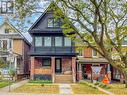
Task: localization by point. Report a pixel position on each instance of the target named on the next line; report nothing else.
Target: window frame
(44, 65)
(57, 40)
(65, 42)
(44, 41)
(93, 54)
(54, 21)
(40, 42)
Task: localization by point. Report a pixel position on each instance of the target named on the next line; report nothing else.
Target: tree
(99, 24)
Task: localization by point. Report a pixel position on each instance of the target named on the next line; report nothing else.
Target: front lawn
(118, 89)
(38, 88)
(4, 83)
(85, 89)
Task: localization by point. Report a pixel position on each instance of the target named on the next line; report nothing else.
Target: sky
(26, 25)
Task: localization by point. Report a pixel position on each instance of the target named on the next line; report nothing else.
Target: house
(52, 54)
(14, 48)
(88, 58)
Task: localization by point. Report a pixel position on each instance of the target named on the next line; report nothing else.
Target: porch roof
(92, 60)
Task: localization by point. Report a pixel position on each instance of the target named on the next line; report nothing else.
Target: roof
(92, 60)
(9, 23)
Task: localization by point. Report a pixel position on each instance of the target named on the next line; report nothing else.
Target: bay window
(38, 41)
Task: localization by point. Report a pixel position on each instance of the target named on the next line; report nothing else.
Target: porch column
(32, 68)
(53, 68)
(80, 72)
(74, 69)
(109, 72)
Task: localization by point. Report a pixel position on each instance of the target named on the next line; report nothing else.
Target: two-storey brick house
(14, 48)
(52, 54)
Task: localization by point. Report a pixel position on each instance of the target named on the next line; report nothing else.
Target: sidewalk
(13, 86)
(65, 89)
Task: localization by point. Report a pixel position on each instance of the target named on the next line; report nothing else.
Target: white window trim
(81, 56)
(93, 54)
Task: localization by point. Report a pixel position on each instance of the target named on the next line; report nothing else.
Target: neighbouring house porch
(59, 69)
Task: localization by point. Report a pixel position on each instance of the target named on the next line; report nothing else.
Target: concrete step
(63, 79)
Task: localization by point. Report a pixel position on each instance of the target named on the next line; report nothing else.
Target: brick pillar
(74, 69)
(32, 68)
(79, 72)
(53, 68)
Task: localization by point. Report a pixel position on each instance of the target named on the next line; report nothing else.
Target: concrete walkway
(65, 89)
(13, 86)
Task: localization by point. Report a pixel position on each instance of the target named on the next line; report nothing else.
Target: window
(46, 62)
(80, 53)
(38, 41)
(52, 22)
(10, 43)
(6, 30)
(94, 53)
(58, 41)
(4, 44)
(0, 44)
(47, 41)
(7, 7)
(125, 41)
(67, 42)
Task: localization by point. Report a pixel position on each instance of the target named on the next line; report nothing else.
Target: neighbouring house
(14, 48)
(52, 54)
(88, 58)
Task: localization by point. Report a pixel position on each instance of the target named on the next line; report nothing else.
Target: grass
(4, 83)
(38, 88)
(118, 89)
(84, 88)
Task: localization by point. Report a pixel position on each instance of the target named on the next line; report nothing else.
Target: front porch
(56, 69)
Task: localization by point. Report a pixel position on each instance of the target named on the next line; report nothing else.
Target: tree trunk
(126, 81)
(125, 75)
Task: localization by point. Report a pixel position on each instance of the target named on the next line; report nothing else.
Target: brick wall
(66, 64)
(87, 52)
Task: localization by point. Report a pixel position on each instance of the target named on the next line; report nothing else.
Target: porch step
(63, 79)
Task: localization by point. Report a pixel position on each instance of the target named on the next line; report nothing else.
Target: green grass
(85, 88)
(4, 83)
(118, 89)
(46, 88)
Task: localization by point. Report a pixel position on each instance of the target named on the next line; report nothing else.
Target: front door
(58, 65)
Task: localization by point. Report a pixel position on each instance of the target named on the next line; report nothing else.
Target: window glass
(50, 22)
(46, 62)
(80, 53)
(94, 53)
(0, 44)
(6, 30)
(56, 23)
(58, 41)
(67, 42)
(47, 41)
(38, 41)
(10, 43)
(125, 41)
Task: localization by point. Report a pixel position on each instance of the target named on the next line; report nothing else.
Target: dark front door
(58, 65)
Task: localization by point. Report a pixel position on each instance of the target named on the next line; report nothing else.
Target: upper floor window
(52, 22)
(0, 44)
(47, 41)
(67, 42)
(38, 41)
(58, 41)
(124, 41)
(94, 53)
(6, 30)
(80, 53)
